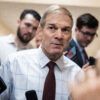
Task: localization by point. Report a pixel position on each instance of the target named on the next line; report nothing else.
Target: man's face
(85, 36)
(27, 28)
(38, 39)
(56, 34)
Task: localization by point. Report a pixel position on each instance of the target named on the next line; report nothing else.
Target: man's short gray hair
(52, 10)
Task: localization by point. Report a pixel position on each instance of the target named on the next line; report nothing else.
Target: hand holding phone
(92, 60)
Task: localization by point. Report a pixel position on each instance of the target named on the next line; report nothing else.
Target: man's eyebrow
(52, 24)
(69, 27)
(28, 24)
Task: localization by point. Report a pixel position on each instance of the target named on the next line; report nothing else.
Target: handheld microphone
(31, 95)
(2, 85)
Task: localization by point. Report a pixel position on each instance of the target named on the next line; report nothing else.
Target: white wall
(4, 30)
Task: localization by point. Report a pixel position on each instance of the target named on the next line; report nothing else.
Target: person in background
(44, 70)
(38, 39)
(27, 27)
(85, 32)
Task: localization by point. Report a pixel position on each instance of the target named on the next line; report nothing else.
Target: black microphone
(2, 85)
(31, 95)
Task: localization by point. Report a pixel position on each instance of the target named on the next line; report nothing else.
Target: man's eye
(35, 28)
(65, 30)
(28, 25)
(51, 27)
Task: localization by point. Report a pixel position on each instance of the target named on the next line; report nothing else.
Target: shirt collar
(80, 48)
(11, 39)
(61, 62)
(44, 60)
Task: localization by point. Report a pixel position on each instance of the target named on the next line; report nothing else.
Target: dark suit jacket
(77, 58)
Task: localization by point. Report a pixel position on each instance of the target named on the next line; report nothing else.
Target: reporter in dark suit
(85, 31)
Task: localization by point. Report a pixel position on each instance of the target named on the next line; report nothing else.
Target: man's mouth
(27, 35)
(57, 44)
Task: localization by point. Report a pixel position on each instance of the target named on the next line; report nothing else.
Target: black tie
(50, 83)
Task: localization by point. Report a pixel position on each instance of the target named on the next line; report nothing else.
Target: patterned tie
(85, 55)
(50, 83)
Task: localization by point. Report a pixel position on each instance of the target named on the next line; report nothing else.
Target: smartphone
(92, 60)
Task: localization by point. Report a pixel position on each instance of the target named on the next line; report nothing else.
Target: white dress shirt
(27, 70)
(8, 46)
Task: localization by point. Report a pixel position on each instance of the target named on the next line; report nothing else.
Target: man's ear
(39, 29)
(18, 22)
(71, 35)
(76, 29)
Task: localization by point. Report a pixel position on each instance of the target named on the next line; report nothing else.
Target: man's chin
(86, 45)
(26, 40)
(57, 53)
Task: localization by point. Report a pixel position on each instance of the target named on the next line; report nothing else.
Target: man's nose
(59, 34)
(30, 30)
(89, 38)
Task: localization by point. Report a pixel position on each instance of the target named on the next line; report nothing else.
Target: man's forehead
(57, 15)
(58, 19)
(29, 16)
(58, 25)
(87, 28)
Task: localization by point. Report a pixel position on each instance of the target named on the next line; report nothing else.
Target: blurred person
(27, 27)
(85, 32)
(38, 39)
(45, 69)
(89, 88)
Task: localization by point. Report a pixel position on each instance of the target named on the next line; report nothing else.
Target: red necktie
(50, 83)
(85, 55)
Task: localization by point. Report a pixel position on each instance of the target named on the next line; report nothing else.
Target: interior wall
(86, 3)
(4, 30)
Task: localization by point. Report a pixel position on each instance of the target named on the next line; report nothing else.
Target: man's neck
(52, 57)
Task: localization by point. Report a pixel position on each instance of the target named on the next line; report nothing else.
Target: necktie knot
(51, 65)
